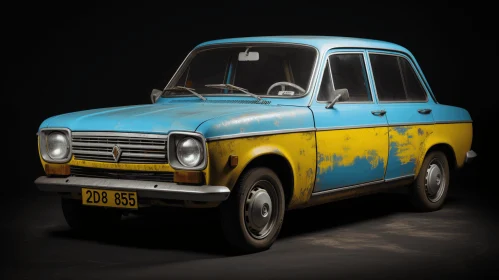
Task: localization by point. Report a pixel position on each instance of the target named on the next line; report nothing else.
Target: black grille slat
(136, 148)
(79, 171)
(122, 160)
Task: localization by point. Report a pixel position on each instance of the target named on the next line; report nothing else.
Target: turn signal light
(188, 177)
(233, 160)
(57, 169)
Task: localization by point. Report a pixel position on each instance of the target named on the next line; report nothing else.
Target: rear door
(401, 93)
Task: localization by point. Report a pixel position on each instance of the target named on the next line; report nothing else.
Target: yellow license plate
(108, 198)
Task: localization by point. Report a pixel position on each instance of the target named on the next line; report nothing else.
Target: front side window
(396, 79)
(345, 71)
(253, 68)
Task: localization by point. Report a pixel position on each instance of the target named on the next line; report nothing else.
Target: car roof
(319, 42)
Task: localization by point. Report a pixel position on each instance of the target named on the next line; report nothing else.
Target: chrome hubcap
(259, 214)
(435, 181)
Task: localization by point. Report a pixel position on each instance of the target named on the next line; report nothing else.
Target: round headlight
(189, 152)
(57, 145)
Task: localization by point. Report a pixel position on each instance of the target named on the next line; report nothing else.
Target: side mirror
(339, 93)
(155, 94)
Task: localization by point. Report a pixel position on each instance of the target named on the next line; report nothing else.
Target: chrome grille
(79, 171)
(135, 147)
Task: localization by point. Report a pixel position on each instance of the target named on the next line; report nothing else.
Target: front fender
(298, 148)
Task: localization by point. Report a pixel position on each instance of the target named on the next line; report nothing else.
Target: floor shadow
(198, 230)
(342, 213)
(349, 211)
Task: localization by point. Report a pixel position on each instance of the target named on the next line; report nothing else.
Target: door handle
(424, 111)
(378, 113)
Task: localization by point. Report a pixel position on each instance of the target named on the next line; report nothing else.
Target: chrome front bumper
(470, 155)
(144, 189)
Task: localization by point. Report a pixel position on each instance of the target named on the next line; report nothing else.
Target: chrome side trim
(347, 188)
(283, 131)
(350, 127)
(389, 125)
(377, 182)
(400, 178)
(144, 189)
(259, 133)
(369, 126)
(451, 122)
(410, 123)
(470, 155)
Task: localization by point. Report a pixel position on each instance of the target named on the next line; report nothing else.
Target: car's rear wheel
(252, 216)
(429, 190)
(88, 218)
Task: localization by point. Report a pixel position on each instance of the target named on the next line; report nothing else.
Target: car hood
(152, 118)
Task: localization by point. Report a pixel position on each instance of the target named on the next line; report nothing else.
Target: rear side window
(396, 79)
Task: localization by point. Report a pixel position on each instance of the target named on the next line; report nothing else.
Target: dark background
(61, 58)
(66, 58)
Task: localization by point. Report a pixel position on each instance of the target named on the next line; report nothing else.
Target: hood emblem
(116, 153)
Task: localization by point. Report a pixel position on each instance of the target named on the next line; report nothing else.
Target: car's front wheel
(252, 216)
(429, 190)
(88, 218)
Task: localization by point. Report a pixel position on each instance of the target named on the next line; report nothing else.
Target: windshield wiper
(230, 86)
(179, 88)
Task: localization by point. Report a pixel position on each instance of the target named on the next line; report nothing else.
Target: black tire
(421, 196)
(89, 218)
(234, 220)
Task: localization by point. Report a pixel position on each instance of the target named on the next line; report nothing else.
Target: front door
(408, 110)
(352, 137)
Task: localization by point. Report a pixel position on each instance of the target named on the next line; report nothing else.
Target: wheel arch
(447, 150)
(278, 164)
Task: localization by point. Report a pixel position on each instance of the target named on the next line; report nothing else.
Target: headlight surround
(187, 151)
(55, 145)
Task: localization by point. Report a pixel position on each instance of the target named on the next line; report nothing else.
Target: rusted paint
(298, 148)
(410, 144)
(407, 149)
(348, 157)
(457, 135)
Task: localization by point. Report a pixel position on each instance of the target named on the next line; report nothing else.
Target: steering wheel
(283, 84)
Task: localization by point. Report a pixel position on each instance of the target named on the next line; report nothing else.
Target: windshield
(261, 70)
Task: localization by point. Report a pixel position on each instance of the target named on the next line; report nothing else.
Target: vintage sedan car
(257, 126)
